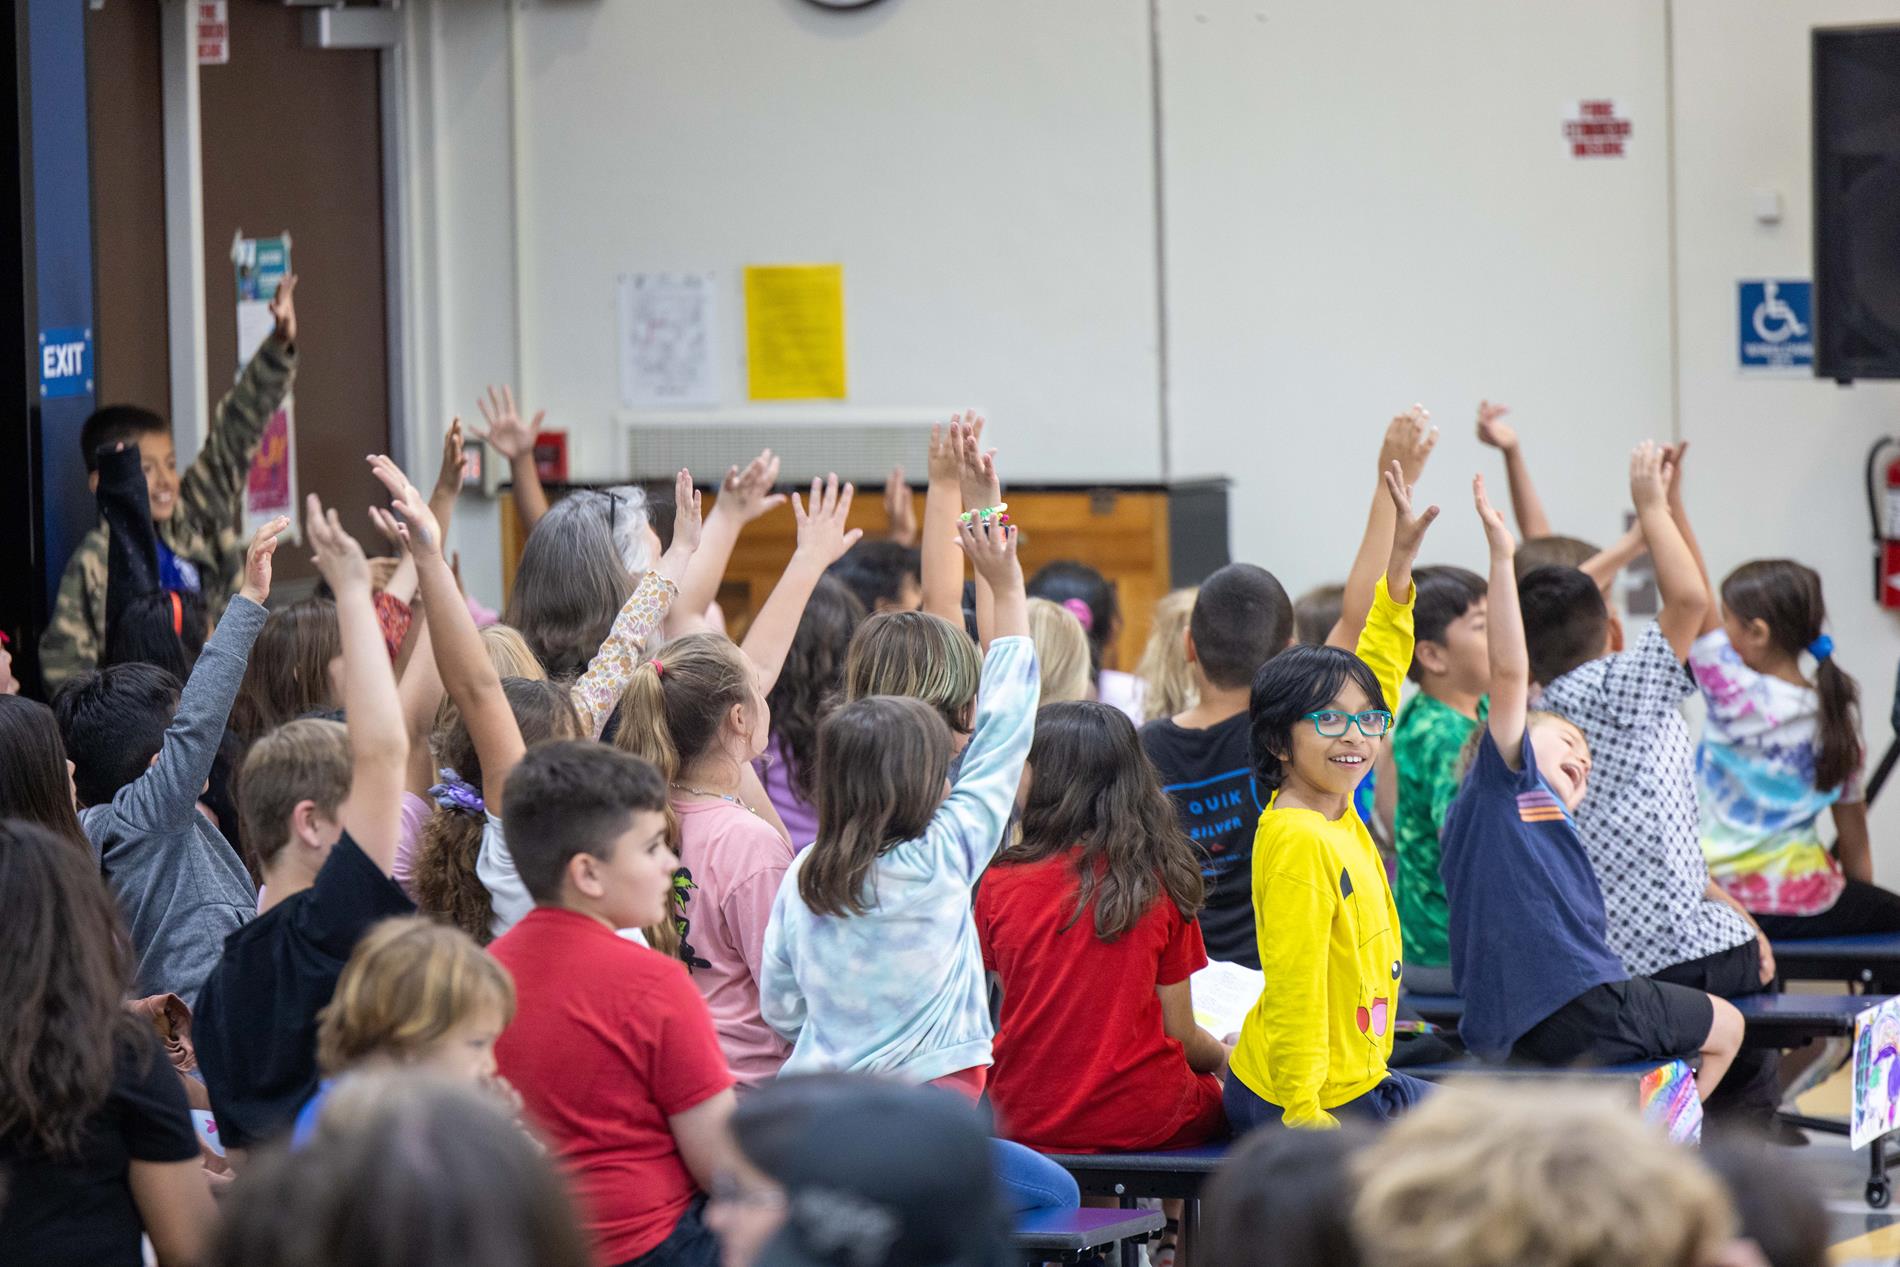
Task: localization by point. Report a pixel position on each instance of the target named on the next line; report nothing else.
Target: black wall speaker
(1857, 202)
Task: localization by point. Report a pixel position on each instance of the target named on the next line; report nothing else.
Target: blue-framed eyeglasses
(1331, 723)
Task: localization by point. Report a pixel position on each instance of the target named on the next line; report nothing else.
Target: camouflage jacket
(206, 528)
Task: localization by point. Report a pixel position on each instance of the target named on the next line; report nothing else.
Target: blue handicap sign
(1777, 325)
(65, 362)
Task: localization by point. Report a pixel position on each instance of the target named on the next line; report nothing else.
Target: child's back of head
(1442, 597)
(1552, 552)
(1777, 1204)
(304, 760)
(677, 703)
(918, 655)
(1062, 651)
(1242, 619)
(569, 797)
(416, 992)
(1092, 787)
(1090, 598)
(1284, 1199)
(882, 762)
(1776, 608)
(35, 784)
(885, 576)
(812, 676)
(113, 722)
(289, 672)
(166, 628)
(1316, 612)
(1167, 682)
(509, 652)
(574, 576)
(1566, 622)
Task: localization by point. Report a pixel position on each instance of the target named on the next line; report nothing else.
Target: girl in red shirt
(1089, 923)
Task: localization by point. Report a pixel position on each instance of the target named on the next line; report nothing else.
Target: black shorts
(1619, 1023)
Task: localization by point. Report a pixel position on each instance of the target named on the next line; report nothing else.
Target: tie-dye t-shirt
(1755, 782)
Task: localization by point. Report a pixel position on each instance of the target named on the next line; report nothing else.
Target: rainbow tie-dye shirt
(1755, 782)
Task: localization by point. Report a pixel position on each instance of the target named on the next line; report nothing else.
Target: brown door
(293, 142)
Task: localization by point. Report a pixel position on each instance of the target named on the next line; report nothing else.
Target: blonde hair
(1494, 1175)
(303, 760)
(509, 652)
(1164, 665)
(1062, 651)
(408, 982)
(917, 655)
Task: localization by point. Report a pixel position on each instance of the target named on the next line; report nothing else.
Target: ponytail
(1838, 752)
(643, 729)
(1786, 596)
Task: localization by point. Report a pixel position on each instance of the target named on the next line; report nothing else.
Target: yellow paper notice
(794, 331)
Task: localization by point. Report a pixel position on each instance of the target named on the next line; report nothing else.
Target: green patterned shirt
(1425, 748)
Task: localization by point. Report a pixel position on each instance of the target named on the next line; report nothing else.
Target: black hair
(875, 570)
(113, 721)
(568, 797)
(1288, 687)
(1242, 619)
(813, 674)
(1442, 595)
(1064, 580)
(111, 425)
(1565, 620)
(165, 628)
(1285, 1197)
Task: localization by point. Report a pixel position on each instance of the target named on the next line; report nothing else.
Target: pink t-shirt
(736, 860)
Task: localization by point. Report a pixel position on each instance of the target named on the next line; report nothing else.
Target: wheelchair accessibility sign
(1777, 325)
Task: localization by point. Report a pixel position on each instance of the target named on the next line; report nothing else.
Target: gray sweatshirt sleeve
(164, 798)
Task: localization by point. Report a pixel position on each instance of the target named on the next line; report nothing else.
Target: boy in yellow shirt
(1316, 1043)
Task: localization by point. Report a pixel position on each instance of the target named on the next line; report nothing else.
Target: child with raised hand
(36, 778)
(1529, 952)
(322, 809)
(745, 494)
(1778, 747)
(1316, 1045)
(414, 993)
(1088, 922)
(812, 676)
(1638, 819)
(142, 750)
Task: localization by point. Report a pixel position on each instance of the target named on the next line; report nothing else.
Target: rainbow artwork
(1667, 1097)
(1876, 1073)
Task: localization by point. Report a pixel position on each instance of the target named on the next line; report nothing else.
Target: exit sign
(65, 362)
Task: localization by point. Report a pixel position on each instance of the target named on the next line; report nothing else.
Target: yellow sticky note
(794, 331)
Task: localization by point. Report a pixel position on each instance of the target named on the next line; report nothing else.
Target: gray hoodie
(181, 886)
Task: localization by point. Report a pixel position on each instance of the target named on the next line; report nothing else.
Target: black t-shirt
(256, 1024)
(1209, 774)
(79, 1210)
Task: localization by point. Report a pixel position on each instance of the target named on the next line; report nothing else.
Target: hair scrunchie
(1080, 610)
(1821, 648)
(457, 795)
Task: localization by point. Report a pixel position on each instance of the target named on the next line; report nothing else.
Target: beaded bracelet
(987, 512)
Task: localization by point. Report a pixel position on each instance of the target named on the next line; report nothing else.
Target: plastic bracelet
(985, 513)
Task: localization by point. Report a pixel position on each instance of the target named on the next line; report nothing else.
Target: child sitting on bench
(1528, 946)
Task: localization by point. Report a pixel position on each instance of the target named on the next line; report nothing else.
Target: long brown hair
(446, 884)
(1095, 791)
(918, 655)
(676, 703)
(64, 970)
(34, 784)
(881, 768)
(1787, 596)
(289, 673)
(813, 674)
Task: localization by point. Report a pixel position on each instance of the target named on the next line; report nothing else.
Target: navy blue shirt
(1208, 772)
(1527, 925)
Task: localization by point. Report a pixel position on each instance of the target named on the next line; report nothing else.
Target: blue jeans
(1388, 1100)
(1031, 1181)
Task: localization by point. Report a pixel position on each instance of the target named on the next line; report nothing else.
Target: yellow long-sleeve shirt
(1321, 1032)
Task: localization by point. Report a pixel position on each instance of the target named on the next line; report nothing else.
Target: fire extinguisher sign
(1776, 326)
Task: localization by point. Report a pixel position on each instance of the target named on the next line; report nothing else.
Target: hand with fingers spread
(688, 521)
(1408, 532)
(991, 547)
(416, 523)
(257, 560)
(946, 463)
(505, 432)
(391, 528)
(448, 480)
(900, 510)
(1650, 473)
(747, 494)
(335, 552)
(283, 310)
(1493, 431)
(822, 536)
(1497, 533)
(976, 467)
(1409, 440)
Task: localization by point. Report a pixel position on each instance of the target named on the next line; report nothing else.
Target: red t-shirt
(609, 1040)
(1082, 1061)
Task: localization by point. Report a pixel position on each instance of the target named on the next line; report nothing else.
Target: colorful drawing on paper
(1668, 1099)
(271, 487)
(794, 332)
(1876, 1073)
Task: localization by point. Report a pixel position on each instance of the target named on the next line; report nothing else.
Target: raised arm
(1678, 511)
(1604, 566)
(1386, 639)
(379, 741)
(131, 540)
(982, 491)
(448, 479)
(1525, 504)
(209, 491)
(822, 541)
(744, 495)
(513, 439)
(598, 690)
(1409, 440)
(467, 673)
(1685, 594)
(941, 564)
(1504, 628)
(900, 509)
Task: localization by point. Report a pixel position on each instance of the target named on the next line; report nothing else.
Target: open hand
(1672, 462)
(1409, 532)
(1496, 532)
(257, 560)
(821, 530)
(391, 528)
(976, 467)
(991, 545)
(900, 511)
(748, 493)
(283, 308)
(415, 522)
(1493, 430)
(337, 555)
(505, 432)
(687, 522)
(1650, 473)
(1409, 440)
(449, 479)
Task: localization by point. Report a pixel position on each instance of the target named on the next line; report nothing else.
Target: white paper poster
(1223, 995)
(666, 339)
